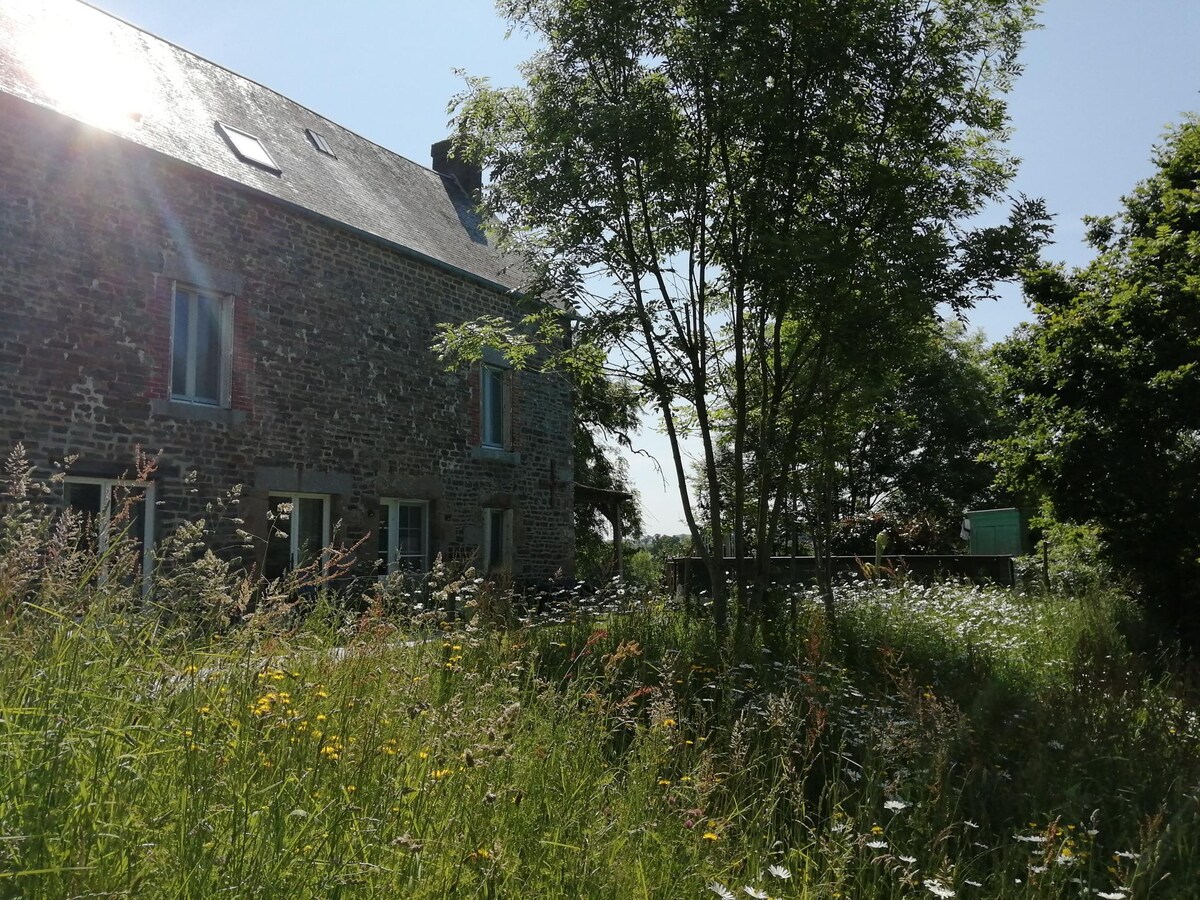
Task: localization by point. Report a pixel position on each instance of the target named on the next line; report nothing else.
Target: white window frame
(275, 498)
(104, 523)
(249, 148)
(487, 398)
(391, 508)
(490, 514)
(187, 393)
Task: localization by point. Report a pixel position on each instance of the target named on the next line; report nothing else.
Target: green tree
(1106, 384)
(906, 448)
(606, 412)
(702, 177)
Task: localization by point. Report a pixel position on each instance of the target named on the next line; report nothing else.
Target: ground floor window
(497, 539)
(403, 532)
(300, 532)
(113, 512)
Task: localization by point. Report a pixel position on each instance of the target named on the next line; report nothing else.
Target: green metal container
(1000, 532)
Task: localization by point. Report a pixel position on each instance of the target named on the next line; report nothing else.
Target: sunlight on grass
(949, 741)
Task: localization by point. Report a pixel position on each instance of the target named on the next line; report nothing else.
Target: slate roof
(84, 63)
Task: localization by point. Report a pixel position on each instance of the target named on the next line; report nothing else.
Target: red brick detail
(158, 338)
(241, 390)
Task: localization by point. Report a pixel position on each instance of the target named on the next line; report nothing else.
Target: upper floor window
(200, 347)
(248, 148)
(320, 142)
(403, 533)
(494, 407)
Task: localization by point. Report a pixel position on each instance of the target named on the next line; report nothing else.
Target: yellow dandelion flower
(711, 836)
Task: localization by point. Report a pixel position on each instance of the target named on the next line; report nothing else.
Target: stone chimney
(468, 176)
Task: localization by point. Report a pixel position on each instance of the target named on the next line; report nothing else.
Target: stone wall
(334, 386)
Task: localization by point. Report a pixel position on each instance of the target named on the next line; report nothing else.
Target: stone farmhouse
(193, 264)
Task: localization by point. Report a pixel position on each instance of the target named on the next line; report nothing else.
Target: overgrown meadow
(947, 741)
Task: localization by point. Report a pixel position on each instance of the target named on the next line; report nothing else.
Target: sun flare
(86, 75)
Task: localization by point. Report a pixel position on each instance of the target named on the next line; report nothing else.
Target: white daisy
(779, 872)
(896, 805)
(721, 891)
(755, 893)
(939, 889)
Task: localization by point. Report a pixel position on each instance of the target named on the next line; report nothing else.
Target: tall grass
(949, 741)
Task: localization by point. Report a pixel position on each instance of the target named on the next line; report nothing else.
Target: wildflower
(939, 889)
(1029, 838)
(908, 860)
(877, 845)
(779, 872)
(711, 836)
(875, 829)
(755, 893)
(896, 805)
(1110, 895)
(972, 883)
(721, 891)
(669, 723)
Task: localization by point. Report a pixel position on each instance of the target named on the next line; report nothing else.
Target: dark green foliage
(1106, 385)
(907, 448)
(751, 202)
(604, 410)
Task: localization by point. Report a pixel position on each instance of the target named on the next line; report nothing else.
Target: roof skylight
(248, 148)
(320, 142)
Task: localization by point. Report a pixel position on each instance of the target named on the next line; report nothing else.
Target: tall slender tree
(702, 178)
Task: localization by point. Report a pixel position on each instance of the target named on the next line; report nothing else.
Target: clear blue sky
(1102, 80)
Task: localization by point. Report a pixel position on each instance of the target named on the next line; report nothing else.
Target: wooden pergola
(609, 504)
